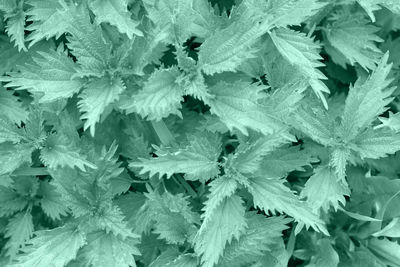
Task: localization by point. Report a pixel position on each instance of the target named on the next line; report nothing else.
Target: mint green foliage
(199, 133)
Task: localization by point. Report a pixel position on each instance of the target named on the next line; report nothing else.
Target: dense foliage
(184, 133)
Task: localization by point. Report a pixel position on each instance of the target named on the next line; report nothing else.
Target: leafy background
(199, 133)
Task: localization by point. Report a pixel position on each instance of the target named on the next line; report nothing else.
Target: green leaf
(9, 132)
(54, 247)
(367, 99)
(58, 151)
(228, 222)
(173, 217)
(197, 160)
(16, 28)
(354, 38)
(227, 48)
(11, 201)
(19, 230)
(50, 75)
(250, 154)
(160, 97)
(376, 144)
(237, 105)
(11, 108)
(48, 19)
(392, 121)
(116, 13)
(87, 43)
(97, 95)
(292, 12)
(324, 190)
(325, 255)
(270, 194)
(387, 251)
(220, 189)
(173, 19)
(13, 156)
(258, 238)
(106, 250)
(51, 201)
(302, 52)
(283, 160)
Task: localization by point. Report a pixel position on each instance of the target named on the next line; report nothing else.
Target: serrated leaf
(50, 75)
(97, 95)
(106, 250)
(11, 108)
(376, 144)
(367, 99)
(19, 230)
(227, 48)
(160, 97)
(227, 223)
(54, 247)
(260, 235)
(237, 105)
(87, 43)
(9, 132)
(16, 28)
(387, 251)
(198, 160)
(324, 190)
(283, 160)
(58, 151)
(355, 39)
(49, 19)
(51, 201)
(220, 189)
(293, 12)
(13, 156)
(270, 194)
(11, 201)
(116, 13)
(301, 51)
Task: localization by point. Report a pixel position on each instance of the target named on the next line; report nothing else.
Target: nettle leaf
(54, 247)
(237, 105)
(260, 236)
(87, 43)
(116, 13)
(197, 160)
(160, 97)
(16, 28)
(49, 19)
(367, 100)
(220, 189)
(174, 19)
(107, 250)
(50, 75)
(19, 230)
(59, 151)
(13, 156)
(376, 143)
(227, 48)
(11, 108)
(227, 223)
(51, 202)
(301, 51)
(355, 39)
(293, 12)
(97, 95)
(270, 194)
(323, 190)
(9, 132)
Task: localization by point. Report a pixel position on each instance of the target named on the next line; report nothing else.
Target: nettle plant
(184, 133)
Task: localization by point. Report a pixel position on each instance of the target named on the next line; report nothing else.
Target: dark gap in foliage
(169, 58)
